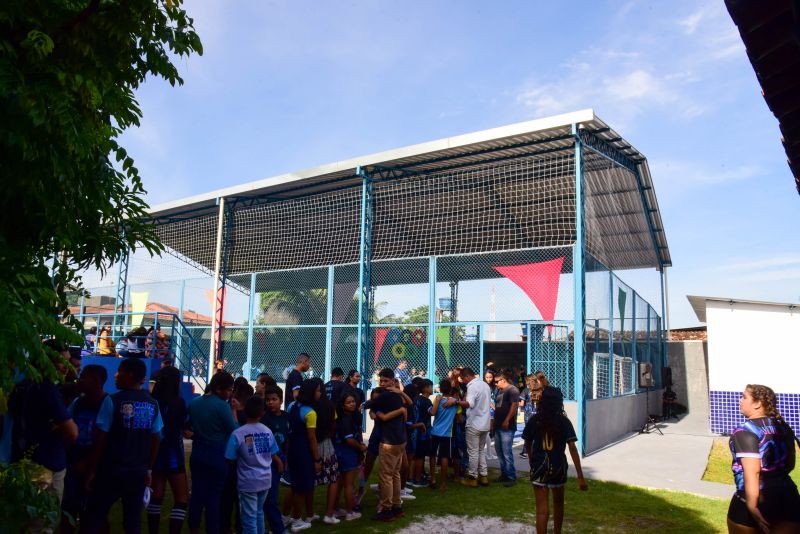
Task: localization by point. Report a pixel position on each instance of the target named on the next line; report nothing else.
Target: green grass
(719, 464)
(606, 507)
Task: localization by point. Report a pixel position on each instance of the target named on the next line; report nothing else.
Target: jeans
(389, 475)
(476, 450)
(272, 509)
(503, 441)
(251, 510)
(209, 473)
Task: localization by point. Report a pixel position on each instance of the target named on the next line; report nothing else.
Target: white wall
(753, 344)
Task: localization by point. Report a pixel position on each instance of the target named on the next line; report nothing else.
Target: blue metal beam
(610, 333)
(251, 319)
(122, 288)
(329, 323)
(432, 316)
(578, 259)
(364, 273)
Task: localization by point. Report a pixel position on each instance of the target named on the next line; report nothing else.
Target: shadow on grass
(606, 507)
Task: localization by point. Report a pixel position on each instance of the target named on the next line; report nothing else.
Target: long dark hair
(324, 409)
(549, 413)
(167, 387)
(307, 392)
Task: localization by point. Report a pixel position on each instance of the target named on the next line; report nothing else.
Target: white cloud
(692, 22)
(779, 261)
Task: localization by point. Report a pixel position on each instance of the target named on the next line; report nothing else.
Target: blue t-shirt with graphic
(252, 446)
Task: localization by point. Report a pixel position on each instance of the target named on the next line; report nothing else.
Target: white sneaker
(287, 520)
(406, 497)
(406, 491)
(312, 518)
(340, 512)
(352, 515)
(373, 487)
(299, 525)
(330, 520)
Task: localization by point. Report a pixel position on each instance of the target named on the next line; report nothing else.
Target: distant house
(105, 307)
(750, 342)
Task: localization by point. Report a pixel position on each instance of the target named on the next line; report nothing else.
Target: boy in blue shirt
(278, 422)
(444, 409)
(253, 447)
(125, 448)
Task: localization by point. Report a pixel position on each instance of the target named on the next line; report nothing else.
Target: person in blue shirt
(278, 422)
(253, 448)
(444, 412)
(211, 421)
(126, 443)
(84, 411)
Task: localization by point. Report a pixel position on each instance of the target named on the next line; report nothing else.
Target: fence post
(432, 317)
(480, 347)
(611, 333)
(248, 364)
(578, 259)
(364, 273)
(633, 344)
(329, 324)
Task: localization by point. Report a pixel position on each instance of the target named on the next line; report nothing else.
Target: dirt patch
(454, 524)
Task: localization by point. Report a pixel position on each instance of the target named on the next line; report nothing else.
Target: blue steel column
(248, 364)
(528, 345)
(364, 273)
(611, 333)
(432, 316)
(633, 343)
(580, 288)
(329, 324)
(122, 288)
(480, 348)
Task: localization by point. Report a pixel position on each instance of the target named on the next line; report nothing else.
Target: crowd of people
(259, 454)
(139, 342)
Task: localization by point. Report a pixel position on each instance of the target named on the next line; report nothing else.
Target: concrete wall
(608, 420)
(689, 363)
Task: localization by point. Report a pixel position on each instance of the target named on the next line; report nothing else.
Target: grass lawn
(606, 507)
(719, 464)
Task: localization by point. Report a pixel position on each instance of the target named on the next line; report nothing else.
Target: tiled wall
(725, 413)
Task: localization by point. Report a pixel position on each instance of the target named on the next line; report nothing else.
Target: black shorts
(777, 505)
(75, 495)
(423, 446)
(441, 447)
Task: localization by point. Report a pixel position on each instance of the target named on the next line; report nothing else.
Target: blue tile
(724, 409)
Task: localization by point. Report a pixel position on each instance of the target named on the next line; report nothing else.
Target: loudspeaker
(666, 377)
(646, 375)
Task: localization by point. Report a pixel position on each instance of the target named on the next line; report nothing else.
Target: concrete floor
(674, 461)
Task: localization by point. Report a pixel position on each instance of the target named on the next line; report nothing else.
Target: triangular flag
(380, 337)
(138, 307)
(443, 338)
(540, 282)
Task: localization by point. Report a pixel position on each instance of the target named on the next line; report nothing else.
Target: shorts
(411, 441)
(170, 460)
(441, 447)
(422, 447)
(777, 504)
(349, 458)
(549, 474)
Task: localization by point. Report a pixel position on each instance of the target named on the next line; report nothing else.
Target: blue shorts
(348, 458)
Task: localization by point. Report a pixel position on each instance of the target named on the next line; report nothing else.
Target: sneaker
(312, 518)
(416, 484)
(299, 525)
(340, 512)
(501, 478)
(330, 520)
(357, 508)
(510, 483)
(406, 491)
(287, 520)
(483, 480)
(352, 515)
(383, 515)
(374, 487)
(470, 482)
(523, 454)
(406, 497)
(398, 512)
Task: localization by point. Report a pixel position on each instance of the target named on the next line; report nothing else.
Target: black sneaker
(523, 454)
(501, 478)
(510, 483)
(384, 515)
(398, 512)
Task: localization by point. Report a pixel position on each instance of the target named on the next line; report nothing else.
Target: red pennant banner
(540, 282)
(380, 338)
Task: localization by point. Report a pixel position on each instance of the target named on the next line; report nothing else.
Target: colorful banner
(138, 307)
(380, 338)
(443, 338)
(540, 282)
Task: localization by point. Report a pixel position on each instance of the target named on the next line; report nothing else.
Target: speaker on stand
(647, 382)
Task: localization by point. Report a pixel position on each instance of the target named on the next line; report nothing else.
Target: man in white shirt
(478, 423)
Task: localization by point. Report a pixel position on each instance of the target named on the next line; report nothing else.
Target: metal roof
(699, 304)
(506, 143)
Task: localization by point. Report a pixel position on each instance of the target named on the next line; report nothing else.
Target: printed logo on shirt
(137, 415)
(547, 443)
(257, 443)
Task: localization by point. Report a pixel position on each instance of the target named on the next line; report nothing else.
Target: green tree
(71, 197)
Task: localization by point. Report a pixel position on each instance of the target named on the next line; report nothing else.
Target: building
(750, 342)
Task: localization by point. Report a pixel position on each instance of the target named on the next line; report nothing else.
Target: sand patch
(454, 524)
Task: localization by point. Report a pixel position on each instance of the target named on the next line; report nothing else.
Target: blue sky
(284, 86)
